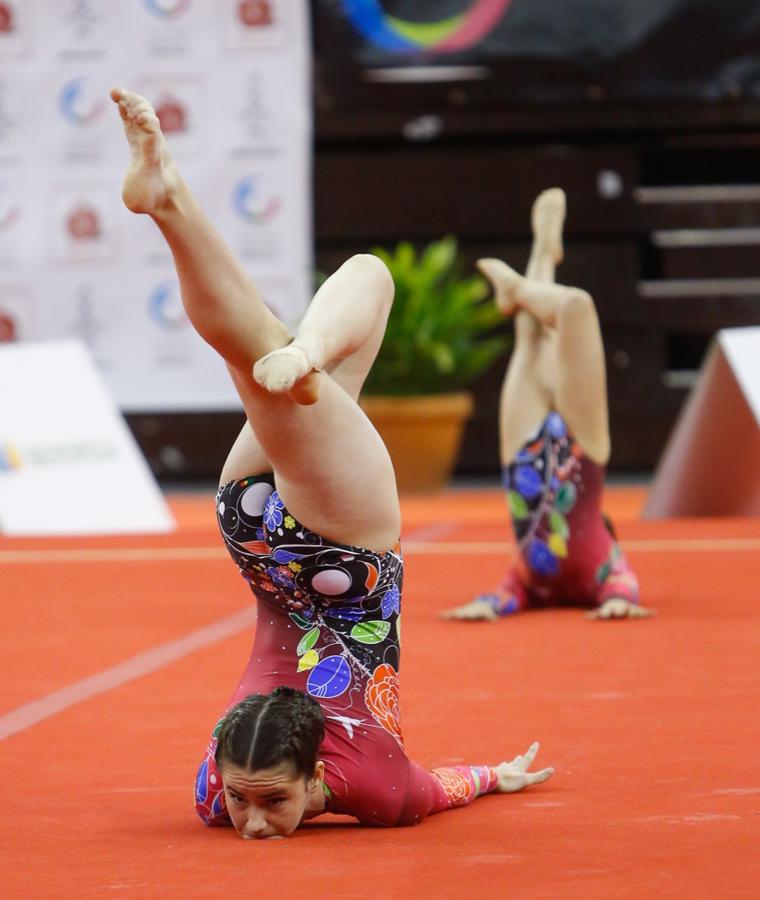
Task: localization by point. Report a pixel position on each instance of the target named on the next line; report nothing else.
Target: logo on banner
(82, 18)
(10, 458)
(255, 13)
(10, 213)
(83, 223)
(81, 226)
(7, 119)
(8, 329)
(54, 454)
(252, 114)
(165, 306)
(172, 115)
(79, 104)
(7, 22)
(449, 35)
(167, 9)
(251, 204)
(85, 322)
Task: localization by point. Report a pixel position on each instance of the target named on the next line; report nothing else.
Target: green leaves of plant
(440, 332)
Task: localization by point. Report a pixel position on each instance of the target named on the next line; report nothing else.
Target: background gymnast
(309, 512)
(554, 442)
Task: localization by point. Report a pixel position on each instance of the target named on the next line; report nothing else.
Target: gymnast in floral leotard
(309, 511)
(328, 626)
(554, 443)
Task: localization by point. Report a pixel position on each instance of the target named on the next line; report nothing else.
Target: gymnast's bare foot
(505, 282)
(151, 180)
(547, 219)
(293, 370)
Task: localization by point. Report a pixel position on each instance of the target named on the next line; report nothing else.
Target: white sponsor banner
(230, 80)
(68, 462)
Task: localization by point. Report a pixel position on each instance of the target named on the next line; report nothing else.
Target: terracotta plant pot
(422, 434)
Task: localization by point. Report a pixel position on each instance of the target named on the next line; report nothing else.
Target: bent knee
(372, 267)
(578, 306)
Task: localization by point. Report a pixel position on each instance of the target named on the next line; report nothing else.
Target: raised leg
(350, 373)
(217, 292)
(558, 360)
(331, 468)
(572, 364)
(547, 219)
(340, 333)
(526, 394)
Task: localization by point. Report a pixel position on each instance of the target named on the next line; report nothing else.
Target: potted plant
(440, 335)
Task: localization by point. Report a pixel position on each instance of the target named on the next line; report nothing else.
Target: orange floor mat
(652, 726)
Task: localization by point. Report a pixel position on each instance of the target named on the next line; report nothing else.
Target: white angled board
(68, 462)
(742, 349)
(711, 464)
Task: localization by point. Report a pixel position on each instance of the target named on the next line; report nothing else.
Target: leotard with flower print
(328, 624)
(566, 552)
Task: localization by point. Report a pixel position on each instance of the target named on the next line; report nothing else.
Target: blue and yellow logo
(251, 203)
(166, 9)
(10, 458)
(79, 102)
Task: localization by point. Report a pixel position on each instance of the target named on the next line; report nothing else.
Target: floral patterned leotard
(328, 624)
(567, 554)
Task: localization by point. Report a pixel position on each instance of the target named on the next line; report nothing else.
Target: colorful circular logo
(165, 306)
(6, 18)
(167, 9)
(79, 105)
(10, 213)
(172, 115)
(255, 13)
(449, 35)
(83, 223)
(250, 205)
(7, 328)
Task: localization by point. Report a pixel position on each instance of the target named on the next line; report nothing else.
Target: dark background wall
(663, 190)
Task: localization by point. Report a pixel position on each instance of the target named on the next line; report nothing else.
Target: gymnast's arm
(449, 787)
(209, 790)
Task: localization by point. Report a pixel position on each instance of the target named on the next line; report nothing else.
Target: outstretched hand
(618, 608)
(474, 611)
(514, 776)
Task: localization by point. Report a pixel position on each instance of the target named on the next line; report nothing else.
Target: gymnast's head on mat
(267, 757)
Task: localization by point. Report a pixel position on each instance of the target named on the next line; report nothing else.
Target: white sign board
(68, 463)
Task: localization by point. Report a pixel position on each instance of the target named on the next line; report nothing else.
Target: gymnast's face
(271, 803)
